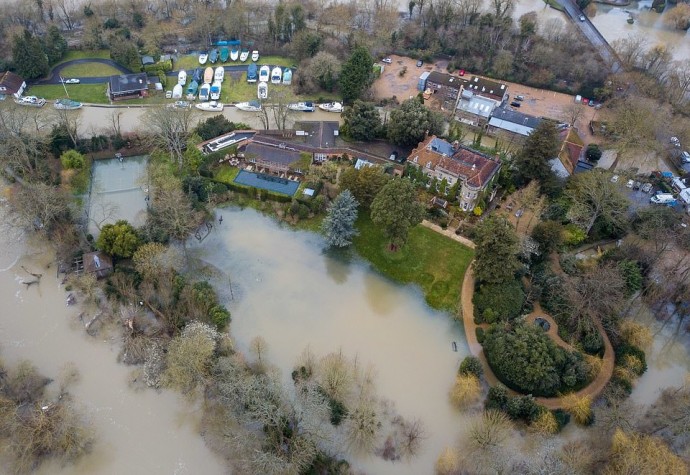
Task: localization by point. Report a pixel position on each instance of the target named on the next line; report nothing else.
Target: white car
(630, 183)
(614, 179)
(387, 60)
(72, 81)
(582, 18)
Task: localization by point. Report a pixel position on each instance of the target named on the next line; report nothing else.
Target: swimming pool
(267, 182)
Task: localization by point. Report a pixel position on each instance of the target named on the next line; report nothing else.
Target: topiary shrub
(471, 365)
(498, 302)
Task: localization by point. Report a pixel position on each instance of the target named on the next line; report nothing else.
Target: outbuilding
(128, 86)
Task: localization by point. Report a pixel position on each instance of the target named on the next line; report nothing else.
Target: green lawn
(89, 70)
(226, 173)
(434, 262)
(78, 54)
(94, 93)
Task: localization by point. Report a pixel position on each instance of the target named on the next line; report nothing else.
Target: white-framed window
(464, 206)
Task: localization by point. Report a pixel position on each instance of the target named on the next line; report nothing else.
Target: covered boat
(287, 77)
(213, 57)
(302, 106)
(234, 53)
(264, 72)
(208, 75)
(224, 53)
(215, 91)
(191, 90)
(204, 92)
(182, 78)
(251, 106)
(244, 55)
(212, 106)
(276, 75)
(67, 104)
(255, 56)
(332, 107)
(198, 74)
(177, 91)
(219, 74)
(262, 90)
(203, 57)
(251, 73)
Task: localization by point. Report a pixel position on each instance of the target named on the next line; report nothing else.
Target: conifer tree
(339, 224)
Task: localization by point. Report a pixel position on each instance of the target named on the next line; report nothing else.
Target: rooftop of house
(128, 83)
(147, 60)
(514, 121)
(318, 134)
(446, 80)
(474, 104)
(571, 148)
(474, 167)
(97, 262)
(10, 82)
(282, 155)
(488, 88)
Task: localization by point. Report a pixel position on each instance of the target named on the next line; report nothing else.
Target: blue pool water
(267, 182)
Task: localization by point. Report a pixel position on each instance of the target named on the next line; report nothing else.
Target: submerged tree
(339, 224)
(397, 210)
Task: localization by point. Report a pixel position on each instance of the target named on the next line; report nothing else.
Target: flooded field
(136, 432)
(119, 191)
(612, 24)
(292, 294)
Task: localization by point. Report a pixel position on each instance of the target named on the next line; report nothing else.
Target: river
(136, 431)
(290, 292)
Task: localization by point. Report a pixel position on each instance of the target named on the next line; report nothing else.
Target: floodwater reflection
(304, 298)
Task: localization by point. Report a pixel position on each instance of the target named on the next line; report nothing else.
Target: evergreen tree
(125, 53)
(28, 57)
(356, 75)
(364, 183)
(396, 210)
(496, 252)
(339, 224)
(361, 121)
(533, 160)
(55, 45)
(411, 121)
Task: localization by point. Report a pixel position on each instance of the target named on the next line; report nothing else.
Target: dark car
(420, 63)
(515, 104)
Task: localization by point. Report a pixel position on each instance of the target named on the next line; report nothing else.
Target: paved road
(592, 34)
(54, 77)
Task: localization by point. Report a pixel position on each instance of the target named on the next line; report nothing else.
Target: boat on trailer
(332, 107)
(302, 106)
(255, 56)
(213, 57)
(262, 90)
(182, 77)
(251, 106)
(212, 106)
(244, 55)
(215, 90)
(208, 75)
(276, 75)
(204, 92)
(203, 57)
(177, 91)
(192, 89)
(251, 72)
(219, 74)
(224, 53)
(67, 104)
(234, 53)
(264, 73)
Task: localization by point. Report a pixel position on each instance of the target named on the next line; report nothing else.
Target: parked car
(519, 98)
(420, 63)
(685, 157)
(393, 156)
(592, 104)
(72, 81)
(582, 18)
(387, 60)
(614, 179)
(168, 94)
(630, 183)
(675, 141)
(646, 188)
(515, 104)
(637, 185)
(519, 212)
(461, 72)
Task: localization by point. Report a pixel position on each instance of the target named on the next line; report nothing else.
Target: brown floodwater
(289, 291)
(137, 432)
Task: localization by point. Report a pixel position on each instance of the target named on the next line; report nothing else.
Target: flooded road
(96, 120)
(141, 432)
(293, 295)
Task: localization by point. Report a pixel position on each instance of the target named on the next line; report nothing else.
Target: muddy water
(293, 295)
(137, 432)
(612, 24)
(668, 362)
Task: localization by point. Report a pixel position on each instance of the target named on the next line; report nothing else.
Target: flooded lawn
(118, 191)
(292, 294)
(136, 432)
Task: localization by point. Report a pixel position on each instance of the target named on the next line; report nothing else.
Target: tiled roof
(445, 80)
(487, 88)
(11, 82)
(474, 167)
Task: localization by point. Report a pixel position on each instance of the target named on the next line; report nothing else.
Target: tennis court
(119, 191)
(267, 182)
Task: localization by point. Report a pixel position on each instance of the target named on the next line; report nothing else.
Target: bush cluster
(498, 302)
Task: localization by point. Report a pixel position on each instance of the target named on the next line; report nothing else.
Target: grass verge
(89, 70)
(434, 262)
(94, 93)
